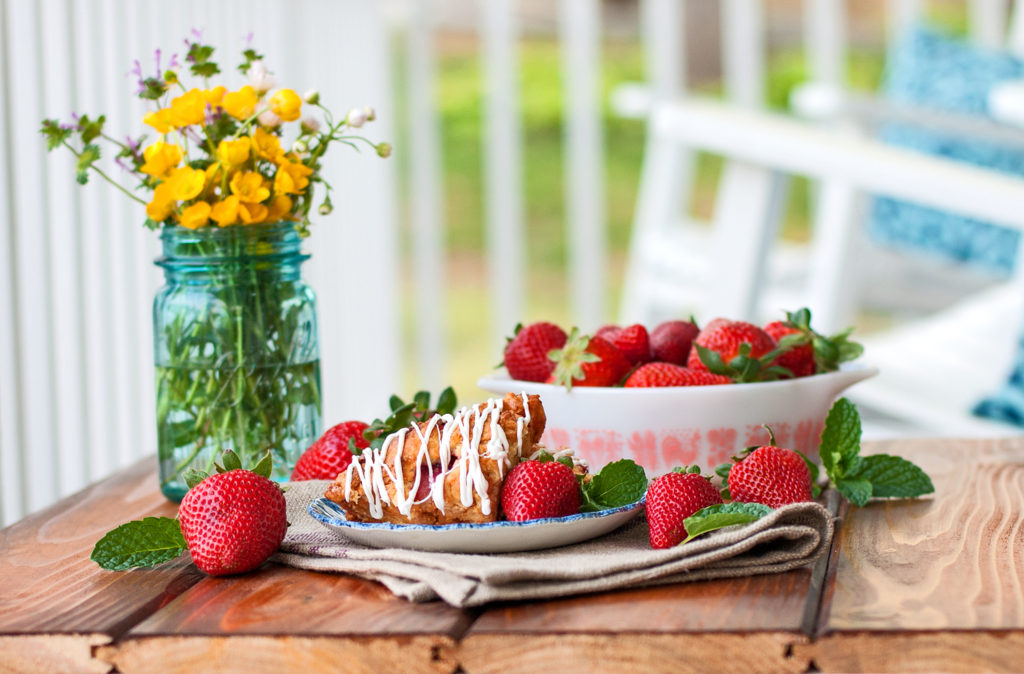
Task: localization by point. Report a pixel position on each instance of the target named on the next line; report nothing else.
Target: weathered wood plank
(936, 583)
(688, 627)
(288, 619)
(55, 603)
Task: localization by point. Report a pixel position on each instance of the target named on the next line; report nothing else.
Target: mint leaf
(857, 490)
(840, 441)
(617, 484)
(724, 515)
(145, 542)
(893, 477)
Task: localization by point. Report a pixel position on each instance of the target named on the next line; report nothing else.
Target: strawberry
(667, 374)
(588, 361)
(535, 490)
(736, 349)
(672, 498)
(233, 521)
(770, 475)
(330, 454)
(526, 354)
(608, 332)
(634, 343)
(799, 359)
(671, 340)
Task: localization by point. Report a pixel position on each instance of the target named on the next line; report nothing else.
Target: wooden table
(930, 585)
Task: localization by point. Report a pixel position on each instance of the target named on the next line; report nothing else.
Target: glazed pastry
(447, 469)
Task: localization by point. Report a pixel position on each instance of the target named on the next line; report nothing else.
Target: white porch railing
(76, 272)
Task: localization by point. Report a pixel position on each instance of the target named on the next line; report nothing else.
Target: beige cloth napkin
(789, 537)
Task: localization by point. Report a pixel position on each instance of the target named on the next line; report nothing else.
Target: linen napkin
(789, 537)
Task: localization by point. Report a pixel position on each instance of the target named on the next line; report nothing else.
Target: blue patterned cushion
(1007, 404)
(930, 70)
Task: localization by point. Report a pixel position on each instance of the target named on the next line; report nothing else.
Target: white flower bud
(300, 147)
(356, 118)
(268, 119)
(371, 114)
(312, 97)
(384, 149)
(261, 79)
(310, 124)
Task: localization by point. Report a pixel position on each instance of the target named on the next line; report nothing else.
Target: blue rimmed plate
(475, 538)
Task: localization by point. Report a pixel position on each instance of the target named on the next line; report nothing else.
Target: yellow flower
(249, 187)
(162, 205)
(189, 108)
(280, 207)
(214, 96)
(225, 212)
(187, 183)
(286, 104)
(160, 158)
(251, 214)
(267, 146)
(196, 215)
(240, 104)
(233, 152)
(159, 120)
(291, 178)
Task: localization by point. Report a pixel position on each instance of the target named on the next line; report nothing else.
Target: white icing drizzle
(470, 422)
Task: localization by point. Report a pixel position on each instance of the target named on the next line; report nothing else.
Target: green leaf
(91, 129)
(231, 461)
(153, 88)
(356, 451)
(893, 477)
(53, 133)
(617, 484)
(146, 542)
(394, 402)
(205, 69)
(857, 490)
(194, 476)
(422, 401)
(446, 402)
(265, 466)
(840, 441)
(723, 515)
(90, 154)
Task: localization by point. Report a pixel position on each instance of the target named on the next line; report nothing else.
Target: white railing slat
(987, 22)
(33, 291)
(901, 15)
(584, 175)
(425, 197)
(825, 40)
(664, 40)
(743, 45)
(502, 148)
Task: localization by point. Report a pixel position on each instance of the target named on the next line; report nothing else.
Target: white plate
(476, 538)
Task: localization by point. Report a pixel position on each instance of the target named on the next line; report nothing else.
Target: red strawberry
(608, 332)
(671, 340)
(671, 499)
(588, 361)
(634, 343)
(799, 359)
(233, 521)
(735, 348)
(330, 454)
(667, 374)
(535, 490)
(526, 354)
(770, 475)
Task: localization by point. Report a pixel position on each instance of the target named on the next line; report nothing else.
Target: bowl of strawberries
(681, 394)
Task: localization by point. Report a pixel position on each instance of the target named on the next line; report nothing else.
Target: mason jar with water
(237, 357)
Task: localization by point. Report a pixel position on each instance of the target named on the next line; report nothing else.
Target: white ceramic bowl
(661, 428)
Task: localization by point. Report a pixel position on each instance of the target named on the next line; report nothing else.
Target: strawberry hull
(661, 428)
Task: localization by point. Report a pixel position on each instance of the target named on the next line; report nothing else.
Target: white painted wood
(825, 40)
(1015, 34)
(747, 211)
(901, 16)
(664, 39)
(743, 51)
(502, 138)
(33, 291)
(12, 454)
(580, 24)
(64, 263)
(833, 273)
(987, 22)
(425, 196)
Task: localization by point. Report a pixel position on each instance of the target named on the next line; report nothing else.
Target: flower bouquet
(235, 334)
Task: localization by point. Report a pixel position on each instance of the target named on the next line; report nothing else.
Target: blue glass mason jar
(237, 356)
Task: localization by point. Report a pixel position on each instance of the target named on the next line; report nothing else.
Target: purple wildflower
(173, 65)
(248, 39)
(212, 114)
(122, 165)
(157, 54)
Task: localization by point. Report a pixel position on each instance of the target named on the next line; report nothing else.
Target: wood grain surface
(49, 586)
(935, 584)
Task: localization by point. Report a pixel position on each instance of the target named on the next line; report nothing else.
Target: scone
(447, 469)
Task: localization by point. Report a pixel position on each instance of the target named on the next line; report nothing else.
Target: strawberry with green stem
(807, 350)
(737, 349)
(587, 361)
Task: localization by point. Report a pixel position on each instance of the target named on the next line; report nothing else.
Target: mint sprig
(722, 515)
(861, 478)
(617, 484)
(146, 542)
